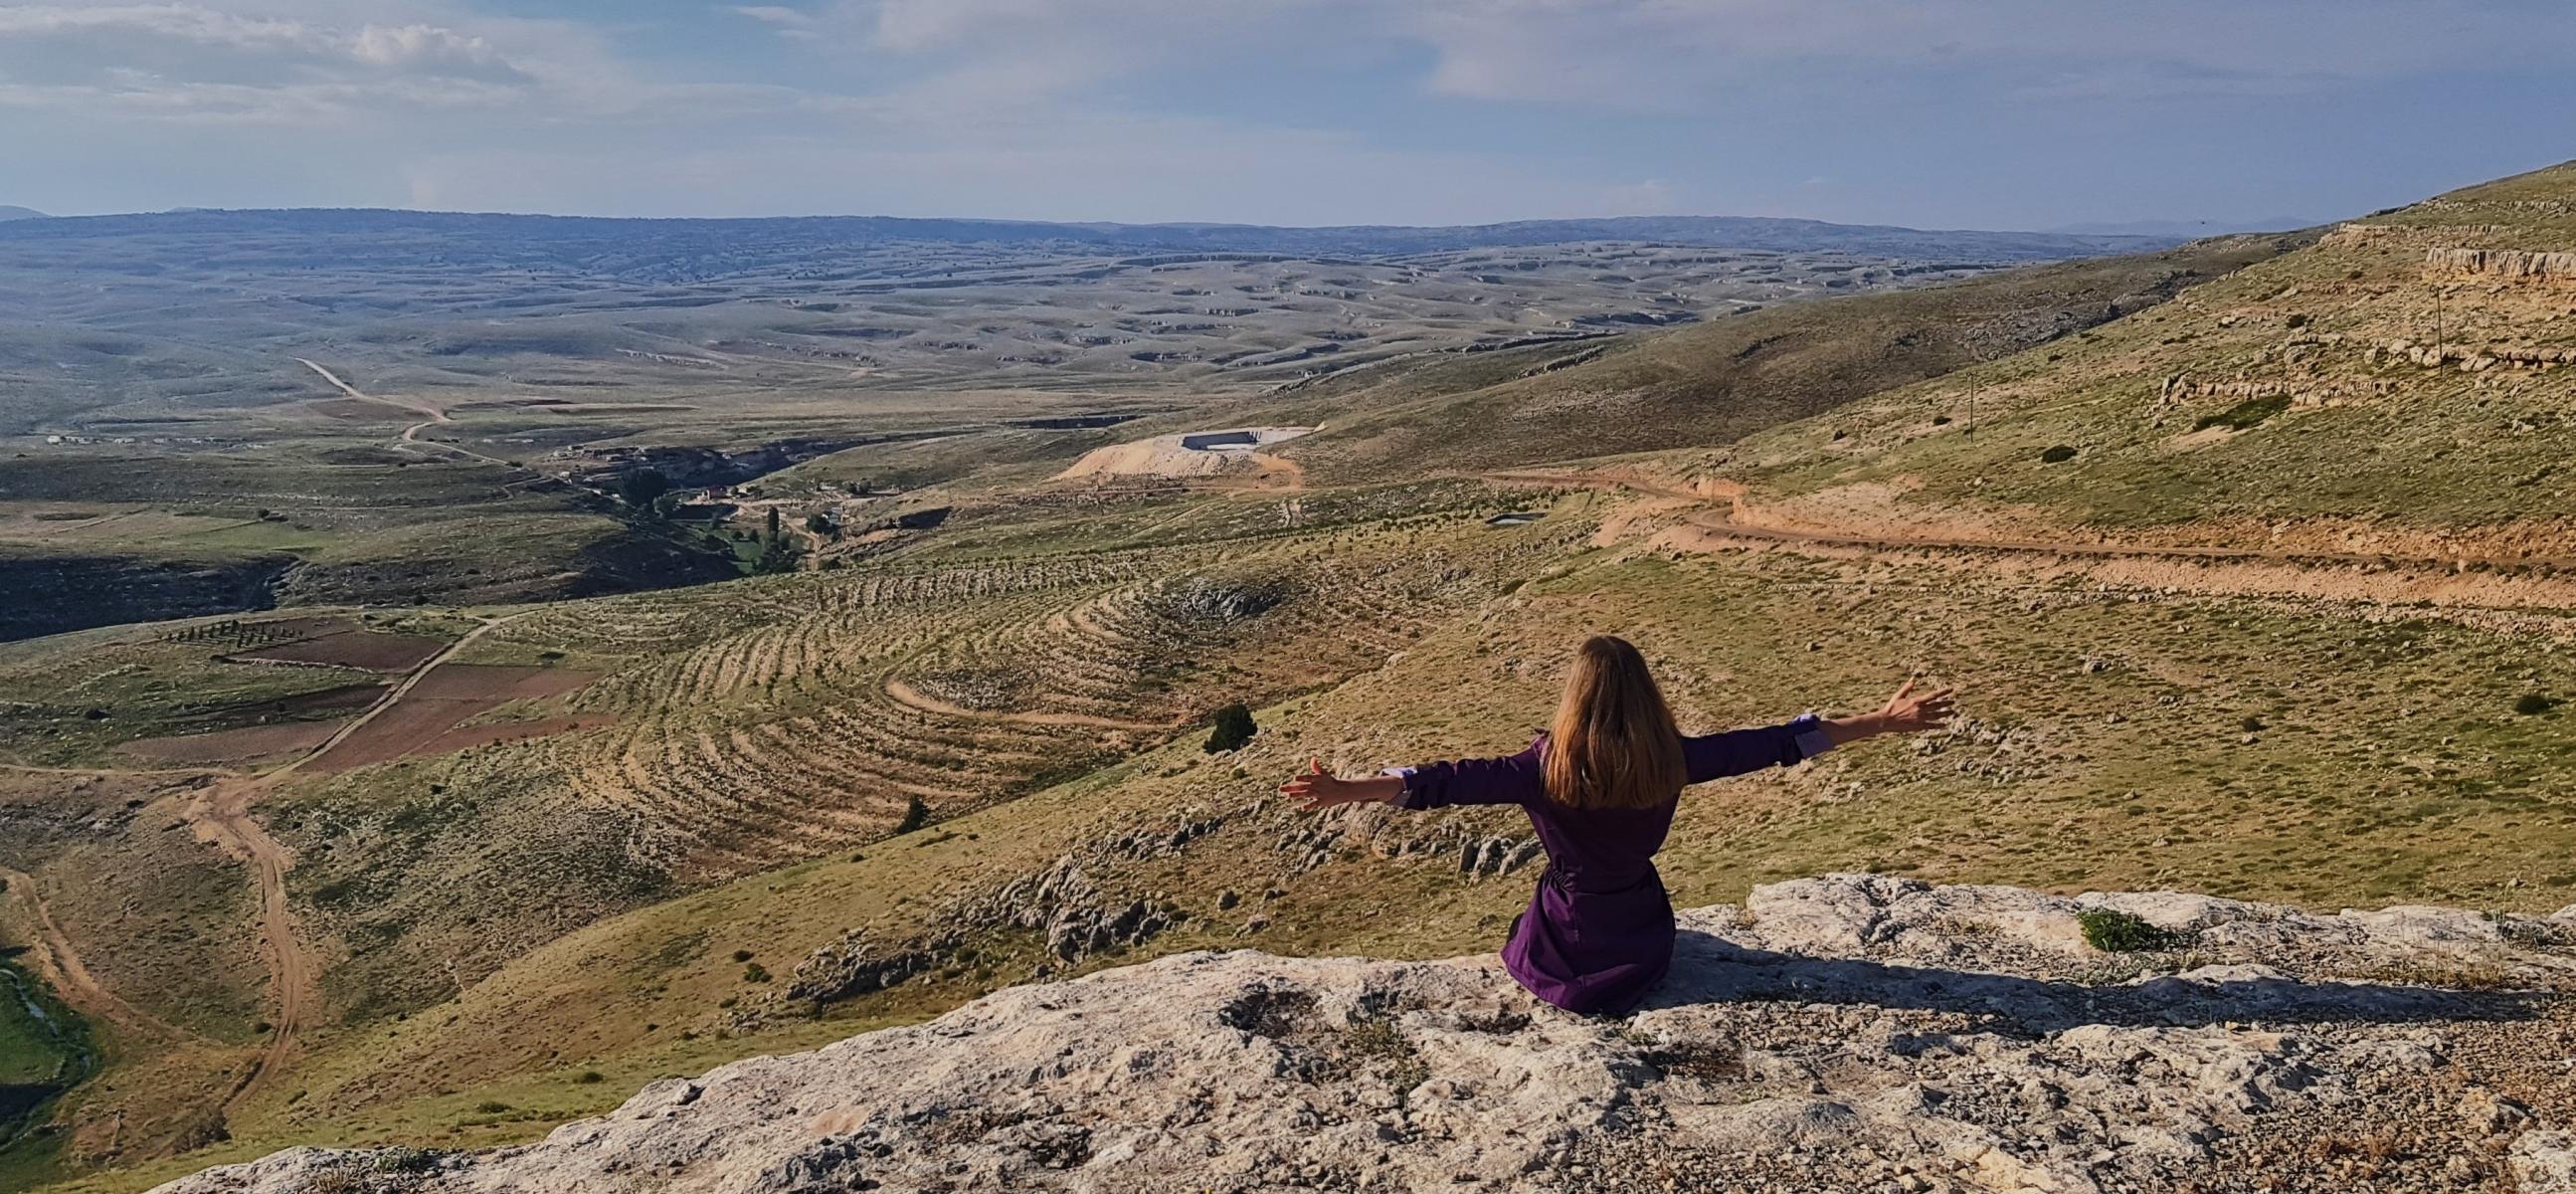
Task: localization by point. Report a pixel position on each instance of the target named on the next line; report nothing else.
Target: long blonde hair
(1614, 744)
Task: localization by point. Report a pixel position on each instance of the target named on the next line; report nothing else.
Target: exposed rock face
(1851, 1032)
(2504, 263)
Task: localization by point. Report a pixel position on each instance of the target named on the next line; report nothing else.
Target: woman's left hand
(1905, 712)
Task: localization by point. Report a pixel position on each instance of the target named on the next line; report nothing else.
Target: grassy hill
(2401, 386)
(671, 828)
(1712, 383)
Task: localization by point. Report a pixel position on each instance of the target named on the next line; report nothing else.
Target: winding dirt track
(411, 434)
(1740, 521)
(58, 963)
(221, 815)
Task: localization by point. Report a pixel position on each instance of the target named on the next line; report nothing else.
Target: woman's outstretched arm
(1513, 779)
(1735, 752)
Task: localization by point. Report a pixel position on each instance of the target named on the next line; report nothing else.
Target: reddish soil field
(495, 683)
(233, 746)
(511, 731)
(349, 697)
(425, 720)
(353, 648)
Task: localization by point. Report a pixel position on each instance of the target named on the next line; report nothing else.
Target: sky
(2022, 114)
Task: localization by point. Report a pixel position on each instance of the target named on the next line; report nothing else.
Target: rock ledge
(1850, 1032)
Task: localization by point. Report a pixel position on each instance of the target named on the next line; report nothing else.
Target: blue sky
(1934, 113)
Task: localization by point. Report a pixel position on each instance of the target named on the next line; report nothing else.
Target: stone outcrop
(1850, 1032)
(2511, 264)
(1074, 917)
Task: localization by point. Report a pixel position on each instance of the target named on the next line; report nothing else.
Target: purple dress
(1598, 933)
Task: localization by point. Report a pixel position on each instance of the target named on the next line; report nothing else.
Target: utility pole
(2437, 327)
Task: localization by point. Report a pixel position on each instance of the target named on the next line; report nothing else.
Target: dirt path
(57, 962)
(410, 435)
(1740, 521)
(221, 816)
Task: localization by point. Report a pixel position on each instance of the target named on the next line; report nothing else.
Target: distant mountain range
(2188, 229)
(20, 213)
(1736, 232)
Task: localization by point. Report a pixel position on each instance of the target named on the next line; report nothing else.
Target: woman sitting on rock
(1601, 787)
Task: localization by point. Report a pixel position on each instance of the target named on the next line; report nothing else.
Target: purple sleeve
(1513, 779)
(1735, 752)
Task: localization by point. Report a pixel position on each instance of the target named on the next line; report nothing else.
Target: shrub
(589, 1078)
(1940, 420)
(915, 815)
(2113, 931)
(2057, 455)
(405, 1159)
(1233, 728)
(742, 955)
(755, 973)
(491, 1106)
(640, 487)
(2532, 704)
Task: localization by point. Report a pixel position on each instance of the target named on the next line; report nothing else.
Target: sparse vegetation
(2532, 704)
(1233, 729)
(2115, 932)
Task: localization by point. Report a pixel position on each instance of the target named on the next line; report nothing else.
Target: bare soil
(233, 746)
(363, 649)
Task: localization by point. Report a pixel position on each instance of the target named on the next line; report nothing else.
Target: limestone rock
(1844, 1032)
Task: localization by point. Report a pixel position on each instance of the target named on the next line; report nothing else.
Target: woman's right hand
(1316, 788)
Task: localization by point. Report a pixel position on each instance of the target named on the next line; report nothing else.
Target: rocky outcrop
(1074, 917)
(2512, 264)
(1849, 1032)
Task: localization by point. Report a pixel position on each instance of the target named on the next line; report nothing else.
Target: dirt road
(221, 816)
(58, 965)
(1742, 521)
(410, 435)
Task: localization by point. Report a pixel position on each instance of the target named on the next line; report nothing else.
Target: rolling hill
(2288, 621)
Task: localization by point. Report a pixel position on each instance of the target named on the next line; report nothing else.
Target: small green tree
(2113, 931)
(1233, 728)
(639, 488)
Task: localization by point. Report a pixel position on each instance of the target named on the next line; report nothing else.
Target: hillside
(1713, 383)
(2400, 387)
(1847, 1032)
(448, 875)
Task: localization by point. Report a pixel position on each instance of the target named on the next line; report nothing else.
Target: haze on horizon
(2027, 114)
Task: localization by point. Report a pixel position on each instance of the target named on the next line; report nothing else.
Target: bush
(915, 815)
(2057, 455)
(2532, 704)
(405, 1159)
(755, 973)
(589, 1078)
(1233, 728)
(491, 1106)
(2113, 931)
(639, 488)
(742, 955)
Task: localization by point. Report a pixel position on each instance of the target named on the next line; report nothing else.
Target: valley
(489, 805)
